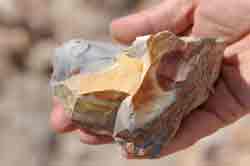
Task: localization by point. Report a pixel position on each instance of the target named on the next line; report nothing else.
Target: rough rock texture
(164, 78)
(180, 78)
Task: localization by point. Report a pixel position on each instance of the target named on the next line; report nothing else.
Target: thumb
(172, 15)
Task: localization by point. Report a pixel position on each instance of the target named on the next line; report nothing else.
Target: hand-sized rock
(141, 95)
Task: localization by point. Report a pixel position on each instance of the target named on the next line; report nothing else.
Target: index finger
(172, 15)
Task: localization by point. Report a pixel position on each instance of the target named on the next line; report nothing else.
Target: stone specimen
(138, 95)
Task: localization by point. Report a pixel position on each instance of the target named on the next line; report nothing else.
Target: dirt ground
(29, 32)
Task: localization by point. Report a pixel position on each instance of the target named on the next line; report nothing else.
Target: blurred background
(29, 32)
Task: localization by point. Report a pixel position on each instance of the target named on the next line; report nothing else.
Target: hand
(229, 19)
(225, 18)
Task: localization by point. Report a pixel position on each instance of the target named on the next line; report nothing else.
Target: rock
(163, 79)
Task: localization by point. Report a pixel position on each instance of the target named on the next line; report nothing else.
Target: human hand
(228, 19)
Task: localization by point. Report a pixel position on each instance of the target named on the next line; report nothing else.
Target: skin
(228, 19)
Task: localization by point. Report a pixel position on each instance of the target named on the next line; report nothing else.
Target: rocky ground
(29, 31)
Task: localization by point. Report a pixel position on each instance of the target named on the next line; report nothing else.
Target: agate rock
(138, 95)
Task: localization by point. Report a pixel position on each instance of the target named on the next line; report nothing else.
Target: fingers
(234, 51)
(229, 25)
(173, 15)
(59, 120)
(90, 138)
(237, 77)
